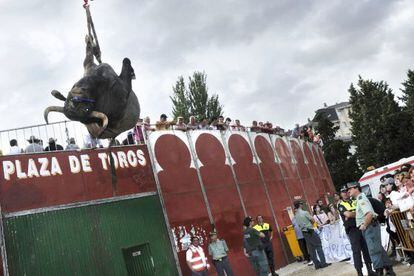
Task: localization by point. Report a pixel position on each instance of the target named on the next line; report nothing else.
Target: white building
(338, 114)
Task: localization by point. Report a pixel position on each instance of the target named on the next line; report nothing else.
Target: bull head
(79, 106)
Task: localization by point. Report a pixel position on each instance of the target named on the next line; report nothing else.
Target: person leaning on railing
(14, 147)
(391, 230)
(255, 127)
(180, 125)
(163, 124)
(192, 124)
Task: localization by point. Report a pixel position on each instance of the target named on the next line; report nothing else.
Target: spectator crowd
(144, 126)
(219, 123)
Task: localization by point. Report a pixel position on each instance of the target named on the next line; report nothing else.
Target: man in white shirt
(14, 148)
(34, 145)
(91, 142)
(196, 259)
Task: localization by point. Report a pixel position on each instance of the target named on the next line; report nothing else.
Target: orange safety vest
(196, 261)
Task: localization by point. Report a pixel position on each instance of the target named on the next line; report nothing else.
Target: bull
(102, 100)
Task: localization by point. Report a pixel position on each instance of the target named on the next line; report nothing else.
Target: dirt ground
(337, 269)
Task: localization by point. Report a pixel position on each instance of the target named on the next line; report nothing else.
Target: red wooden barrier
(211, 180)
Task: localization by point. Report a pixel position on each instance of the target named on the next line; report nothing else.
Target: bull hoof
(88, 40)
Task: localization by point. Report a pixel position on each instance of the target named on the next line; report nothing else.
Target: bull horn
(58, 95)
(102, 116)
(52, 109)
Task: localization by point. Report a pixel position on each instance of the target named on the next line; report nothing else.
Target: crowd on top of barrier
(138, 135)
(220, 123)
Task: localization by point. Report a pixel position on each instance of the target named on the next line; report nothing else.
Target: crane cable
(92, 32)
(97, 54)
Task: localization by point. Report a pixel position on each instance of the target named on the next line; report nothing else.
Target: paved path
(337, 269)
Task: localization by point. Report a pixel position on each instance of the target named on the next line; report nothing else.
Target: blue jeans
(223, 266)
(259, 261)
(315, 248)
(372, 236)
(200, 273)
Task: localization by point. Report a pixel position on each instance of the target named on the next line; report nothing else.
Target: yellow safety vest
(349, 206)
(263, 227)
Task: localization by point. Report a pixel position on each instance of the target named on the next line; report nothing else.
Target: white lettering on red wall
(49, 165)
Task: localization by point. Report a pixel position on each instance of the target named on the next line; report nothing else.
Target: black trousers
(358, 244)
(304, 249)
(223, 266)
(268, 249)
(394, 239)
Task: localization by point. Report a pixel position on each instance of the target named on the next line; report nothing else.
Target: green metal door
(88, 240)
(139, 261)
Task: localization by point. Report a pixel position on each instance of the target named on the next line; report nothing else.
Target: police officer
(266, 229)
(305, 223)
(254, 247)
(366, 221)
(346, 208)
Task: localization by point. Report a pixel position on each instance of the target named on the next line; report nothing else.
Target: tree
(180, 100)
(342, 164)
(380, 129)
(408, 93)
(194, 99)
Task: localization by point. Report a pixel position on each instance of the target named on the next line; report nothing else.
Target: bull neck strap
(83, 100)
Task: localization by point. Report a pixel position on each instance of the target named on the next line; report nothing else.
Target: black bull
(101, 100)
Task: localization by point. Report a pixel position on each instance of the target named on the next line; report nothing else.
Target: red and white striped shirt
(196, 257)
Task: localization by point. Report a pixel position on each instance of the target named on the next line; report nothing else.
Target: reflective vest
(197, 263)
(265, 229)
(349, 206)
(261, 228)
(349, 223)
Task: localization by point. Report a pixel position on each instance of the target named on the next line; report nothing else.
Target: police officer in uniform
(254, 247)
(346, 208)
(305, 223)
(366, 221)
(266, 229)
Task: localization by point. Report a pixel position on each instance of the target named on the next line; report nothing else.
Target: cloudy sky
(267, 60)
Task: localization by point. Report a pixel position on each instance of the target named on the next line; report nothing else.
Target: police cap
(344, 189)
(297, 203)
(352, 185)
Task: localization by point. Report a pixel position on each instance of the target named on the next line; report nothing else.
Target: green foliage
(342, 164)
(408, 93)
(194, 99)
(214, 109)
(325, 127)
(380, 129)
(180, 100)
